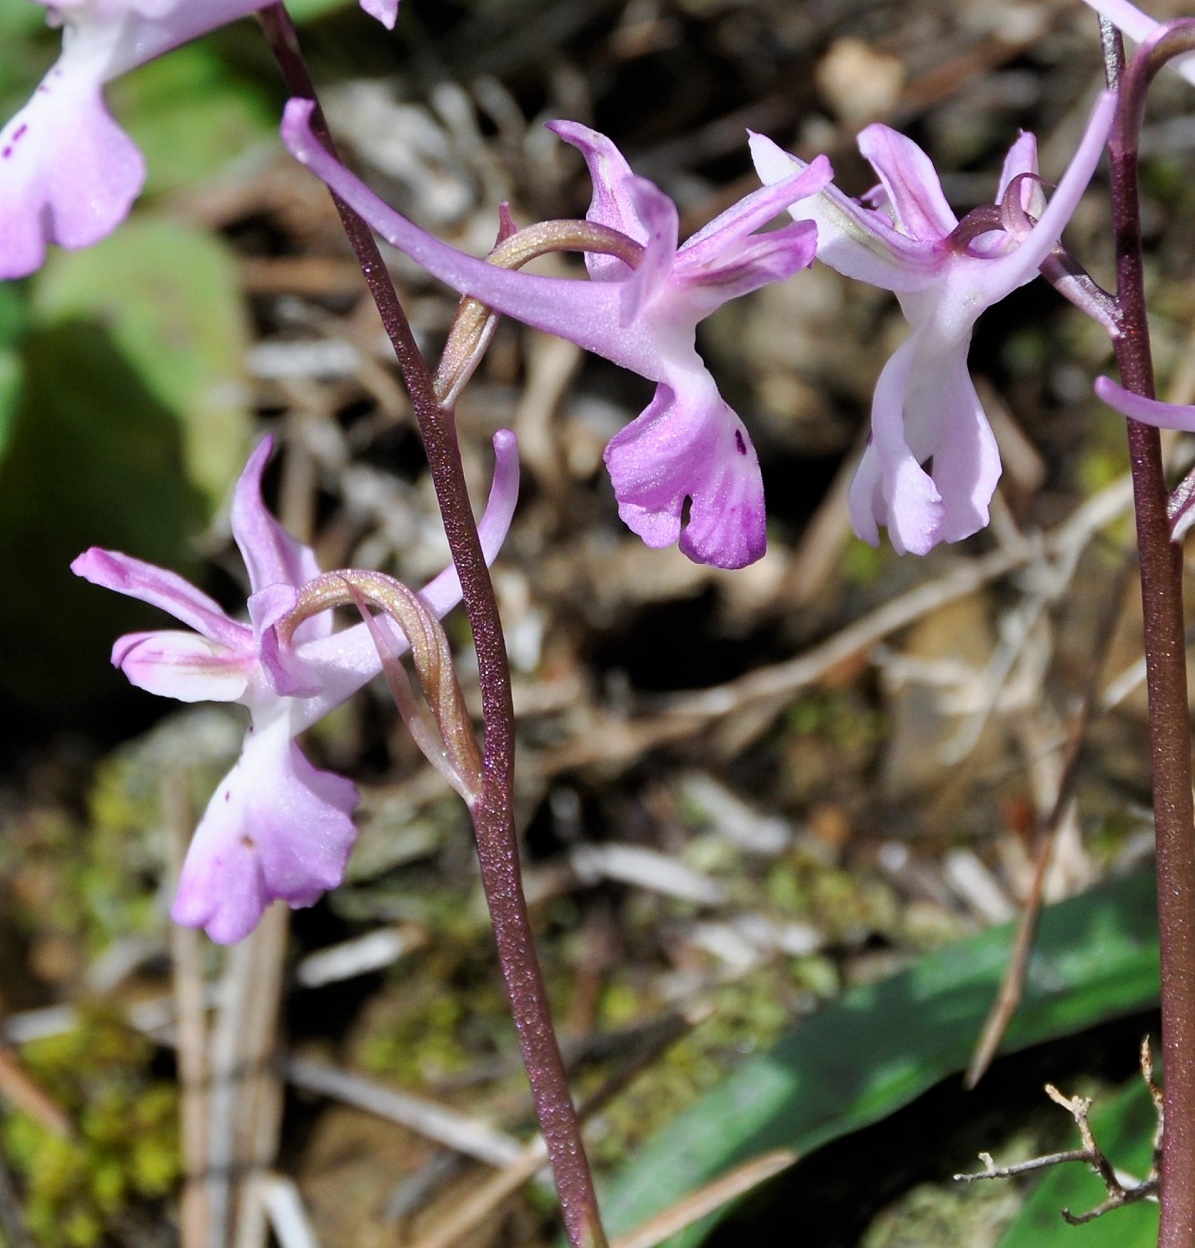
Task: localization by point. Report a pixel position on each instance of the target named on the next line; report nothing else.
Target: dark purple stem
(1165, 647)
(493, 813)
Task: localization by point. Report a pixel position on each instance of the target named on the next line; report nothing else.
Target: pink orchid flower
(68, 172)
(276, 827)
(685, 471)
(931, 465)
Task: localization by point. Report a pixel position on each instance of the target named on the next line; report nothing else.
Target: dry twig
(1121, 1189)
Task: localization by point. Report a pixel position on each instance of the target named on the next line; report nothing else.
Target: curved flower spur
(931, 464)
(68, 172)
(685, 471)
(276, 827)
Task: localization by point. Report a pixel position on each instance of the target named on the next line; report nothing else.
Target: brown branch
(1119, 1193)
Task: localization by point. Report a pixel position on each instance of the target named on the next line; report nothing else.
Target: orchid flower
(1139, 26)
(276, 828)
(68, 172)
(685, 470)
(931, 464)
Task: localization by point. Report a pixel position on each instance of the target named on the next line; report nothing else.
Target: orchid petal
(754, 262)
(275, 829)
(386, 11)
(160, 588)
(614, 203)
(1022, 160)
(68, 172)
(1146, 411)
(184, 666)
(941, 397)
(738, 222)
(894, 489)
(910, 182)
(689, 447)
(164, 25)
(856, 241)
(1003, 275)
(661, 223)
(271, 555)
(282, 668)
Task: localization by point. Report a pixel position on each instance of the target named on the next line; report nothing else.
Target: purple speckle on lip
(17, 135)
(739, 441)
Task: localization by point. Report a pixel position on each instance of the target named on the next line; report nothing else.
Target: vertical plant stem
(493, 813)
(1166, 669)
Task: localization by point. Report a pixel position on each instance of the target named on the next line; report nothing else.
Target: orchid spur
(685, 471)
(931, 464)
(276, 828)
(68, 172)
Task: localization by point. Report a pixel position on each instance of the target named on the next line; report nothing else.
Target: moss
(749, 1014)
(125, 1149)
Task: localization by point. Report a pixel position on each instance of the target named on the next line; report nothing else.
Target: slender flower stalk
(1165, 644)
(493, 812)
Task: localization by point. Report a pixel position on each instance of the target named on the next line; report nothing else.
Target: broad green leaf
(13, 319)
(168, 295)
(1124, 1129)
(14, 313)
(92, 459)
(882, 1045)
(11, 375)
(191, 116)
(21, 18)
(307, 10)
(29, 49)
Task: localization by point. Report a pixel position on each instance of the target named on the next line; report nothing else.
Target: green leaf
(92, 459)
(884, 1044)
(1124, 1129)
(13, 319)
(11, 375)
(168, 295)
(308, 10)
(14, 314)
(29, 50)
(192, 116)
(21, 19)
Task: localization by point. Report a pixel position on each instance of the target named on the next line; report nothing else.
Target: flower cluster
(68, 172)
(684, 471)
(276, 827)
